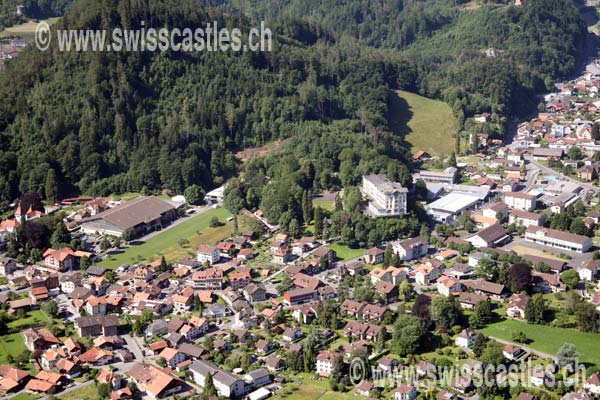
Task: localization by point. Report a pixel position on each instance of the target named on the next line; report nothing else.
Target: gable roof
(144, 209)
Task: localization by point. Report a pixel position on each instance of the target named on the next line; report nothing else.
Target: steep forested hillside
(115, 122)
(476, 55)
(98, 123)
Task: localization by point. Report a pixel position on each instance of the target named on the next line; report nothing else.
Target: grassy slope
(25, 30)
(196, 230)
(548, 339)
(425, 124)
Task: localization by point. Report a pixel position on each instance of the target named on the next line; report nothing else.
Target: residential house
(525, 218)
(208, 254)
(173, 357)
(374, 255)
(208, 279)
(154, 381)
(447, 286)
(258, 378)
(89, 326)
(388, 291)
(411, 248)
(182, 303)
(300, 295)
(465, 338)
(405, 392)
(7, 265)
(512, 352)
(325, 362)
(493, 290)
(588, 270)
(425, 274)
(95, 305)
(468, 301)
(592, 384)
(61, 260)
(516, 306)
(226, 383)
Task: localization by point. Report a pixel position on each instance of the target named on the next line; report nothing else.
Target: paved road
(532, 174)
(133, 344)
(549, 171)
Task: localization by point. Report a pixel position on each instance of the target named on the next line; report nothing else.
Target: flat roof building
(447, 176)
(448, 207)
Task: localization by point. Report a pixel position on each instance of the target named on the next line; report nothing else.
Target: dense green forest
(99, 123)
(31, 9)
(113, 122)
(476, 55)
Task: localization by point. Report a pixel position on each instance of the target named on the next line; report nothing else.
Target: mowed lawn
(425, 124)
(346, 253)
(309, 388)
(549, 339)
(195, 229)
(12, 344)
(89, 392)
(328, 205)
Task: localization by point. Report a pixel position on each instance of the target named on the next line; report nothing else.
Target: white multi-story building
(410, 249)
(227, 384)
(208, 254)
(325, 361)
(385, 198)
(558, 239)
(520, 201)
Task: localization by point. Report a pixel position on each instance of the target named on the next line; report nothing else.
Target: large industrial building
(141, 215)
(385, 198)
(447, 208)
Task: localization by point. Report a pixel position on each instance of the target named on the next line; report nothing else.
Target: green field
(328, 205)
(309, 388)
(425, 124)
(548, 339)
(346, 253)
(26, 396)
(11, 344)
(89, 392)
(166, 243)
(25, 30)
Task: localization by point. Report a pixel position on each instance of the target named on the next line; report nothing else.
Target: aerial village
(512, 257)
